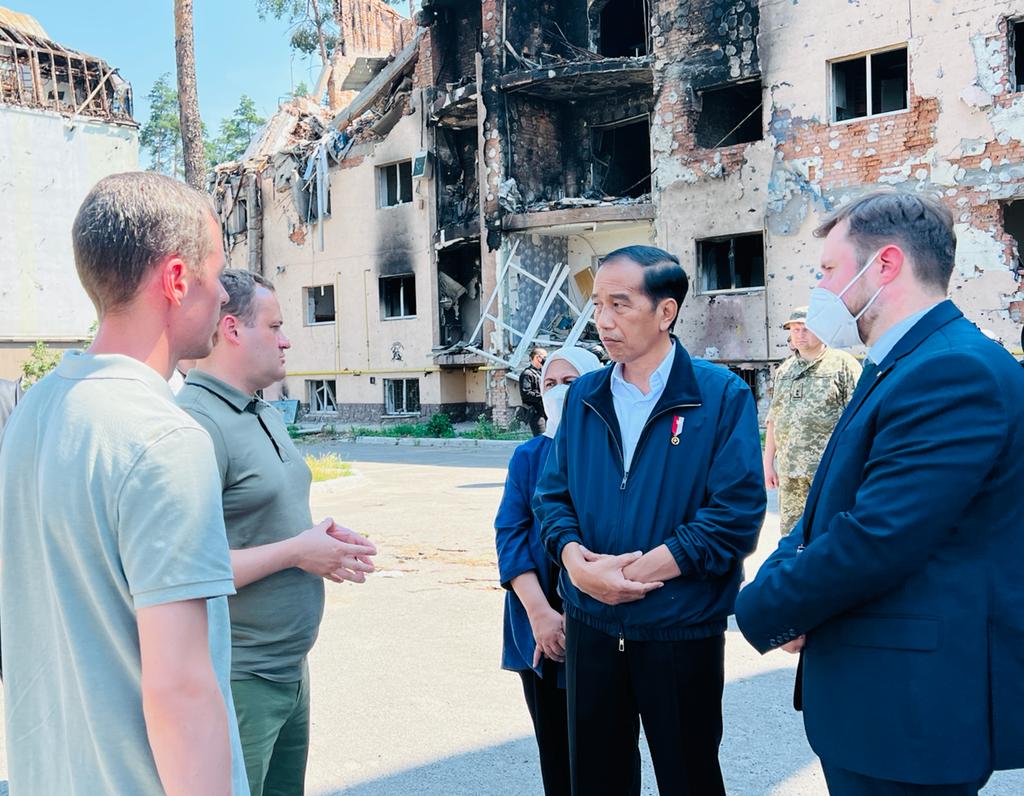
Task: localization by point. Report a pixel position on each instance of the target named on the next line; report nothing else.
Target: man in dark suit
(901, 584)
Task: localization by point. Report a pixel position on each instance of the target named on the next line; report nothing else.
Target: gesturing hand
(549, 632)
(333, 553)
(601, 576)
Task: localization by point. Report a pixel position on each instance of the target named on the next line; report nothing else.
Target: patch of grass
(486, 429)
(327, 466)
(440, 425)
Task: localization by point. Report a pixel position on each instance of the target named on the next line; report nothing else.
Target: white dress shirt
(632, 407)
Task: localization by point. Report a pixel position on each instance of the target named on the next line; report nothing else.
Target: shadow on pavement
(764, 746)
(764, 743)
(508, 769)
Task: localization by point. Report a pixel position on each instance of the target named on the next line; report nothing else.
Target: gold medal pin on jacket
(677, 428)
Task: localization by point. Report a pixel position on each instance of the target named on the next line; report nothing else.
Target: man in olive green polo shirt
(278, 556)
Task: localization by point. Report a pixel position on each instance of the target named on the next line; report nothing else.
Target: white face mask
(831, 320)
(554, 400)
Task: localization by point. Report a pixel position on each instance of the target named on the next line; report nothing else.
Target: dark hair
(919, 225)
(536, 350)
(127, 223)
(664, 277)
(241, 289)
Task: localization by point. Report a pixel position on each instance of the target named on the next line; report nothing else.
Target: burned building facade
(536, 136)
(65, 121)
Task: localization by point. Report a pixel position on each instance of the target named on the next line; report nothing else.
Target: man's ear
(228, 328)
(174, 279)
(891, 260)
(667, 311)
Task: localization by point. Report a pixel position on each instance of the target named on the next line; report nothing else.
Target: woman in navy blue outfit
(534, 643)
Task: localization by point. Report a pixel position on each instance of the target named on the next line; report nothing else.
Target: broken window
(458, 283)
(730, 115)
(622, 158)
(869, 85)
(1017, 53)
(401, 396)
(625, 28)
(733, 263)
(320, 395)
(398, 296)
(395, 184)
(319, 304)
(1013, 225)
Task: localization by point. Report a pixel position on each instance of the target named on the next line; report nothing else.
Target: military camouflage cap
(799, 315)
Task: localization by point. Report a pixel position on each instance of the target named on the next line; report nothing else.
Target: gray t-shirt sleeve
(170, 527)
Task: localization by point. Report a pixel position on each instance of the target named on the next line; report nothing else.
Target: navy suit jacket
(906, 572)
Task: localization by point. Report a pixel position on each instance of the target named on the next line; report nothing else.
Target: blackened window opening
(734, 263)
(622, 159)
(625, 28)
(1013, 225)
(730, 115)
(398, 296)
(1017, 53)
(320, 304)
(870, 85)
(889, 81)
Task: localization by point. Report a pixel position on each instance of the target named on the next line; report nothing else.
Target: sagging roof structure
(37, 72)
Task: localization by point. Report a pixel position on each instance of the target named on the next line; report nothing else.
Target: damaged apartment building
(65, 121)
(453, 213)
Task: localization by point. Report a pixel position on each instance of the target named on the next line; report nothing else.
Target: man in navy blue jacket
(651, 497)
(902, 581)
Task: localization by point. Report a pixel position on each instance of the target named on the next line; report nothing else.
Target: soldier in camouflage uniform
(811, 389)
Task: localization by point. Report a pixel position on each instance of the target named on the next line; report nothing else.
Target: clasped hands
(617, 579)
(334, 552)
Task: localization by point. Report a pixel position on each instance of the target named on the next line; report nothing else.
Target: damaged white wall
(47, 165)
(961, 138)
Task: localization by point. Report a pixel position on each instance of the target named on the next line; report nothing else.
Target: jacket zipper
(643, 436)
(625, 472)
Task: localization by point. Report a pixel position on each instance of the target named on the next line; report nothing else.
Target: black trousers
(842, 782)
(535, 420)
(674, 687)
(547, 705)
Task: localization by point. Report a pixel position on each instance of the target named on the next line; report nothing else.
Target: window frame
(310, 313)
(402, 300)
(1014, 32)
(330, 388)
(867, 55)
(390, 411)
(701, 273)
(382, 184)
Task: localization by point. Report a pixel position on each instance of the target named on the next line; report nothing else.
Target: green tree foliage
(160, 136)
(307, 23)
(40, 362)
(236, 132)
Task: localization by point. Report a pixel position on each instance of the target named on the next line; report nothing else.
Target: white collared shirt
(632, 407)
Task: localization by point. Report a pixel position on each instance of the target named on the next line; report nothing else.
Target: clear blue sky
(236, 52)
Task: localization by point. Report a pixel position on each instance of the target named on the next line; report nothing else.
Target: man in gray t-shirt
(113, 609)
(280, 559)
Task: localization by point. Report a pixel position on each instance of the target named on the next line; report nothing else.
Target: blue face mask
(830, 319)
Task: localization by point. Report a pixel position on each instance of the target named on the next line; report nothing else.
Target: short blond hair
(127, 223)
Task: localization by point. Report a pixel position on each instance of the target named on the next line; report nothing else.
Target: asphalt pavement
(407, 694)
